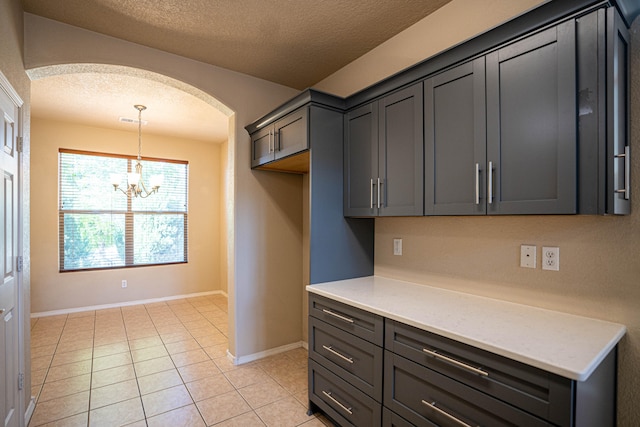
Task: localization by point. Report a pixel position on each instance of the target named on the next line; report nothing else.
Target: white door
(9, 309)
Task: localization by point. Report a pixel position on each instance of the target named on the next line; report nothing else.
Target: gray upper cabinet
(500, 137)
(455, 141)
(531, 124)
(618, 155)
(283, 138)
(361, 160)
(384, 156)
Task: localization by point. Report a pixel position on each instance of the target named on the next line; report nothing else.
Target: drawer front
(344, 403)
(360, 323)
(391, 419)
(541, 393)
(425, 397)
(353, 359)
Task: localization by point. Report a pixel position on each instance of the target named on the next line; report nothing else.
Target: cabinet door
(401, 148)
(455, 141)
(262, 146)
(291, 133)
(618, 161)
(531, 124)
(361, 161)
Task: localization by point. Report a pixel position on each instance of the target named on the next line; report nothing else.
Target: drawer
(391, 419)
(353, 359)
(360, 323)
(342, 402)
(425, 397)
(541, 393)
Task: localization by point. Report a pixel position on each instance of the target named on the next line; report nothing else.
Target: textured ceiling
(292, 42)
(100, 99)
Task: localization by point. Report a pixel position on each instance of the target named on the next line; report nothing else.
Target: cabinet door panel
(618, 192)
(292, 133)
(455, 141)
(361, 160)
(401, 152)
(531, 116)
(262, 146)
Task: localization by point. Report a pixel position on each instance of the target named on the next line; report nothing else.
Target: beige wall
(11, 43)
(224, 224)
(261, 233)
(599, 256)
(52, 290)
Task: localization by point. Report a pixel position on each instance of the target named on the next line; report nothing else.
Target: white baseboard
(262, 354)
(305, 345)
(29, 412)
(123, 304)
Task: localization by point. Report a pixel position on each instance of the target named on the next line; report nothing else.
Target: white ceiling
(292, 42)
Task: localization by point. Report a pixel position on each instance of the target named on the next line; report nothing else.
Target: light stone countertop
(564, 344)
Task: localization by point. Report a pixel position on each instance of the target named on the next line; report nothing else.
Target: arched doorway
(86, 94)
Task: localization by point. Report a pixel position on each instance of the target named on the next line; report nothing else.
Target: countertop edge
(578, 375)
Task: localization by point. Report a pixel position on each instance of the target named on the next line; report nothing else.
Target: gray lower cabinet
(383, 146)
(430, 379)
(365, 370)
(345, 362)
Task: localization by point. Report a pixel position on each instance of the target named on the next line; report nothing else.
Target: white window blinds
(101, 228)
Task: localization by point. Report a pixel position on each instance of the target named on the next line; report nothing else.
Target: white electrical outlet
(550, 258)
(397, 246)
(528, 256)
(124, 283)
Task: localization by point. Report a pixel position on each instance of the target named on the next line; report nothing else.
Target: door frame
(24, 365)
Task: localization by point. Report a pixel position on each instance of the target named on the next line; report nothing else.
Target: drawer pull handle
(446, 414)
(339, 316)
(334, 400)
(456, 362)
(341, 356)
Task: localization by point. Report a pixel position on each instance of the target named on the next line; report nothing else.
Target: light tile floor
(161, 364)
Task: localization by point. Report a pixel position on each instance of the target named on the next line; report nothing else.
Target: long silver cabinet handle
(627, 171)
(456, 362)
(371, 194)
(333, 399)
(627, 164)
(477, 183)
(340, 355)
(339, 316)
(378, 193)
(432, 405)
(490, 183)
(271, 143)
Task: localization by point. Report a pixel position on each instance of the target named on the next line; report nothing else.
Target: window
(101, 228)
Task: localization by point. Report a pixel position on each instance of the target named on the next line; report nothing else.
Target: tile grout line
(176, 312)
